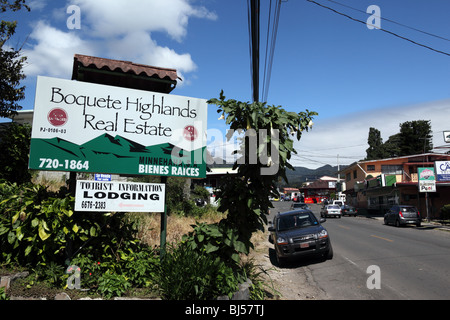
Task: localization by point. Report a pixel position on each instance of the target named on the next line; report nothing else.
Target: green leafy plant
(35, 225)
(111, 284)
(187, 274)
(245, 197)
(445, 212)
(3, 295)
(15, 146)
(141, 269)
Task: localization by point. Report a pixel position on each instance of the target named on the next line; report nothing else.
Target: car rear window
(408, 209)
(334, 207)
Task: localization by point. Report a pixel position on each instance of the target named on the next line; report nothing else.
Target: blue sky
(353, 77)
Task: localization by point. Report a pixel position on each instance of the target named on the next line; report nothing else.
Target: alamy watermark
(248, 147)
(374, 280)
(374, 21)
(74, 20)
(74, 281)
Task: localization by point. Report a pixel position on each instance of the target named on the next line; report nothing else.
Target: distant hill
(302, 174)
(295, 178)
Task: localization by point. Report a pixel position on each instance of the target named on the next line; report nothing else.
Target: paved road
(414, 263)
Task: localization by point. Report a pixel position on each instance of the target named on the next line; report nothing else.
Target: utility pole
(254, 31)
(339, 179)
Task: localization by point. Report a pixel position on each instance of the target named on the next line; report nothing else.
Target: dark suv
(298, 233)
(400, 215)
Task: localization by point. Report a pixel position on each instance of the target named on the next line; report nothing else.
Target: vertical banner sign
(119, 196)
(85, 127)
(427, 179)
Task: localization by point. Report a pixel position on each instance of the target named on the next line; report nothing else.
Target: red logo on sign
(190, 133)
(57, 117)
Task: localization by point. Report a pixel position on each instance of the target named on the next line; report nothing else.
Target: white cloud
(347, 135)
(53, 52)
(112, 18)
(138, 46)
(118, 30)
(37, 4)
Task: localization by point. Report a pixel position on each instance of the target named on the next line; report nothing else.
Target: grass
(177, 226)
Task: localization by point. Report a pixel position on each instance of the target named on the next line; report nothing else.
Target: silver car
(400, 215)
(331, 210)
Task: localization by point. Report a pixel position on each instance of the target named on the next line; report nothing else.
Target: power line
(342, 147)
(318, 155)
(273, 37)
(310, 160)
(392, 21)
(381, 29)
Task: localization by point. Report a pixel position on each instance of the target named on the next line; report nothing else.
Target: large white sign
(447, 136)
(113, 196)
(86, 127)
(442, 170)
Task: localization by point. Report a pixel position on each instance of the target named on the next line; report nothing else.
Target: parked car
(340, 203)
(298, 233)
(331, 210)
(299, 205)
(348, 210)
(400, 215)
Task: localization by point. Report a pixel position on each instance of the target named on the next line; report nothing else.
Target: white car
(331, 210)
(340, 203)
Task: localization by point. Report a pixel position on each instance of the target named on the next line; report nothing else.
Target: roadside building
(320, 189)
(379, 184)
(290, 193)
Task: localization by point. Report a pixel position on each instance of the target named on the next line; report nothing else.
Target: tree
(245, 197)
(11, 63)
(15, 146)
(392, 146)
(415, 137)
(375, 150)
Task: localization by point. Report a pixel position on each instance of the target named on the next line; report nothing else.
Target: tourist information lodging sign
(119, 196)
(86, 127)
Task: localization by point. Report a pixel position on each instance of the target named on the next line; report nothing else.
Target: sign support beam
(163, 232)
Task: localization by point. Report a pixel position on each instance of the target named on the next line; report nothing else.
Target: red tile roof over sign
(126, 67)
(125, 74)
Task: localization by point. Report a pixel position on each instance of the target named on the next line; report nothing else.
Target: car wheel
(397, 223)
(329, 254)
(280, 261)
(418, 224)
(385, 221)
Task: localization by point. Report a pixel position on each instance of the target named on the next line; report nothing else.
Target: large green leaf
(11, 237)
(42, 234)
(15, 217)
(211, 248)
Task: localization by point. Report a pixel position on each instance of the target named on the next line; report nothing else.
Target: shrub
(112, 284)
(35, 225)
(188, 274)
(445, 212)
(15, 146)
